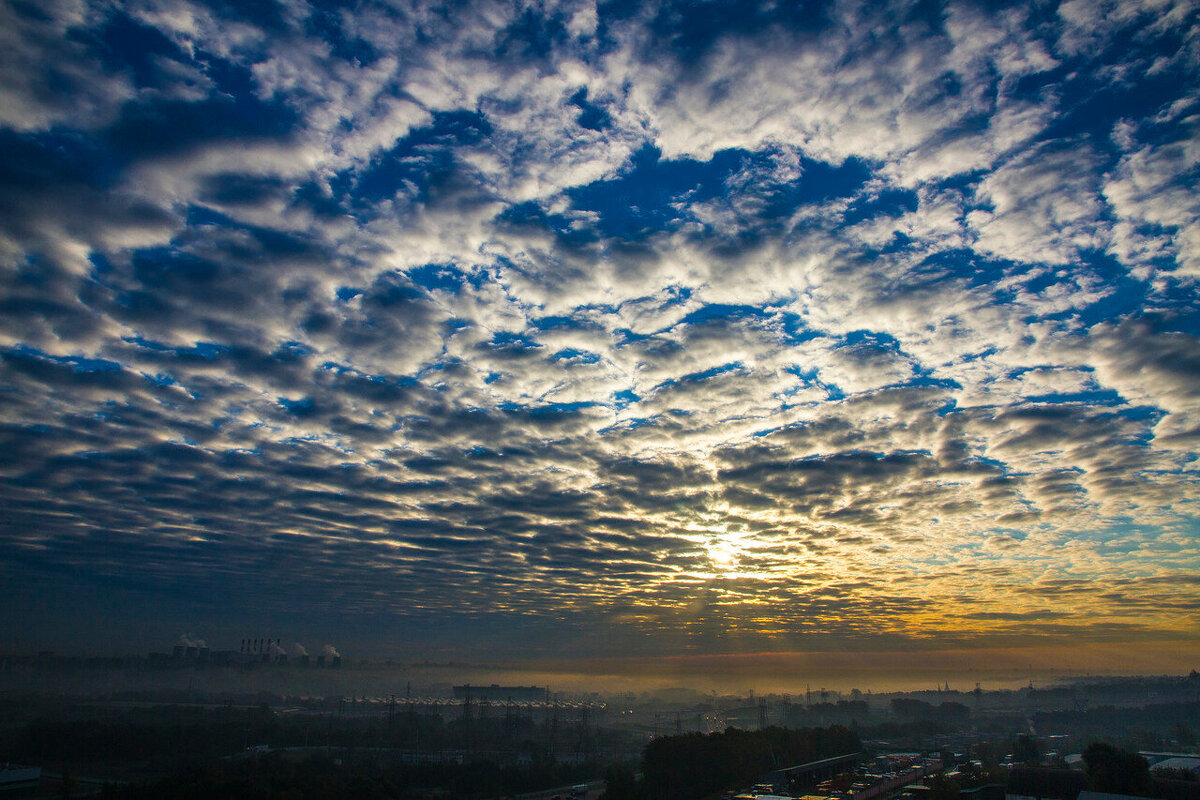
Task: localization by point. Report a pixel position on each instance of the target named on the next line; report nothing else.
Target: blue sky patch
(440, 310)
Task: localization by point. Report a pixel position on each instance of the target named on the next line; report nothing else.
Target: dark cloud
(573, 324)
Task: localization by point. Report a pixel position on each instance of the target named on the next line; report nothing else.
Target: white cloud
(1159, 214)
(1044, 207)
(910, 366)
(68, 85)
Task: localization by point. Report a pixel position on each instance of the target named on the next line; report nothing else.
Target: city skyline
(585, 334)
(266, 664)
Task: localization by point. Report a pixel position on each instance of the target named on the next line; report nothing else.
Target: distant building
(989, 791)
(502, 694)
(1086, 795)
(1187, 763)
(17, 781)
(1027, 783)
(801, 777)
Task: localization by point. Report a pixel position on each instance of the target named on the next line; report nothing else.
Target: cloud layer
(603, 328)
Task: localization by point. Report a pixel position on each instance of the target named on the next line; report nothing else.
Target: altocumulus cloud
(601, 327)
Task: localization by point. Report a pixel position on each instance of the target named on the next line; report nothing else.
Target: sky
(585, 331)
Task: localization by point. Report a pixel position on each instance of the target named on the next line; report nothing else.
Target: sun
(722, 554)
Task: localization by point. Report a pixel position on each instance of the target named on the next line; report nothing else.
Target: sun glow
(723, 555)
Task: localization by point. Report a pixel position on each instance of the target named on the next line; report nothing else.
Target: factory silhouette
(251, 652)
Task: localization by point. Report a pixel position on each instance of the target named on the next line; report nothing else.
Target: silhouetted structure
(496, 693)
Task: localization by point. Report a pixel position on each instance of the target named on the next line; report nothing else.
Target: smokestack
(331, 655)
(191, 647)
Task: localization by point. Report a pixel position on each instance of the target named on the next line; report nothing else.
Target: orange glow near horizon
(879, 671)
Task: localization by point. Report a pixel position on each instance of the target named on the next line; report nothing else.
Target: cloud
(697, 335)
(72, 87)
(1159, 220)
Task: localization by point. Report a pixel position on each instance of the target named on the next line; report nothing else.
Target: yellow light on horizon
(723, 554)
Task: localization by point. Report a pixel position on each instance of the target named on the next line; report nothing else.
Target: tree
(989, 753)
(908, 707)
(620, 783)
(954, 711)
(1025, 749)
(693, 765)
(1116, 771)
(943, 788)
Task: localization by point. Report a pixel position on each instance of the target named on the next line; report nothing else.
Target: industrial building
(502, 694)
